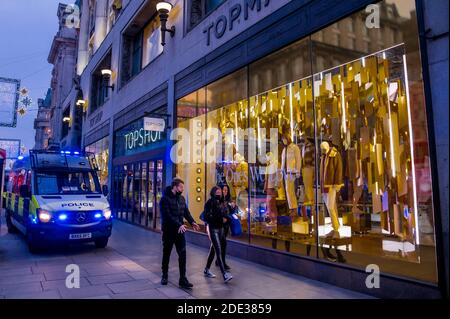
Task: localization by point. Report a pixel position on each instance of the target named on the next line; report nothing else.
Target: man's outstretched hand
(182, 229)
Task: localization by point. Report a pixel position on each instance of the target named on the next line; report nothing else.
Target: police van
(55, 197)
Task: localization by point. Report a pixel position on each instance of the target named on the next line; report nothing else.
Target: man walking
(173, 211)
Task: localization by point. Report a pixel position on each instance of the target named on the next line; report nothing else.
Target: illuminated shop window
(354, 120)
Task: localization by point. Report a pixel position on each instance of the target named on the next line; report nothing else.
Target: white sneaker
(208, 273)
(227, 277)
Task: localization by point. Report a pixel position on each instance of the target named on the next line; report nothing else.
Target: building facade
(320, 117)
(63, 56)
(42, 122)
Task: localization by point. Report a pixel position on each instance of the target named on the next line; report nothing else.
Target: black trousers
(217, 236)
(170, 238)
(223, 243)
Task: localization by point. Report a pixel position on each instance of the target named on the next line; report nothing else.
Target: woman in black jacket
(216, 215)
(231, 209)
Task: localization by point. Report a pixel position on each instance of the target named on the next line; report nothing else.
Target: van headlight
(44, 215)
(107, 213)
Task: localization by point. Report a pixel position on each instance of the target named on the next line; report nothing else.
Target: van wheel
(11, 228)
(101, 243)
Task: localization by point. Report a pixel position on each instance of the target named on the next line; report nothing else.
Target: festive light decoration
(23, 92)
(22, 111)
(26, 101)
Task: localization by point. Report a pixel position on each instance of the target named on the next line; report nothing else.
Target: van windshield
(57, 183)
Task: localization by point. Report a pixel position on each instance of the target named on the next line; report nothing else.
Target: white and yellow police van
(54, 197)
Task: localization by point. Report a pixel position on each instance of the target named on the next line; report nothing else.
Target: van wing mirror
(105, 190)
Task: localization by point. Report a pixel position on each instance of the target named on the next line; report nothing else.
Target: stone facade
(62, 55)
(42, 122)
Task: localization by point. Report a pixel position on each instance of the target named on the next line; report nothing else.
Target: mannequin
(331, 181)
(240, 178)
(308, 172)
(291, 162)
(271, 185)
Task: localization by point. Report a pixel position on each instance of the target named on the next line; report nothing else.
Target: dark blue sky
(27, 28)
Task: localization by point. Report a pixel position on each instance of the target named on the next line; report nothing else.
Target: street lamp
(107, 73)
(163, 8)
(66, 119)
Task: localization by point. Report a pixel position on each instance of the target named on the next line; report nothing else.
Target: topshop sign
(226, 22)
(142, 135)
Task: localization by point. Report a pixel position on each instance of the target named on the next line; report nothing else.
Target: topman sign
(223, 23)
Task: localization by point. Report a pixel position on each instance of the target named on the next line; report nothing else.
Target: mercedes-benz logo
(81, 217)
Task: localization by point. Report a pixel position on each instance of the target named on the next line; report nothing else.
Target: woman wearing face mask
(231, 207)
(216, 215)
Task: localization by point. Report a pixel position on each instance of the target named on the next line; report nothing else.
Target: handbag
(202, 216)
(235, 225)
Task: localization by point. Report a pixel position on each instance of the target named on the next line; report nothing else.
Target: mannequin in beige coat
(291, 164)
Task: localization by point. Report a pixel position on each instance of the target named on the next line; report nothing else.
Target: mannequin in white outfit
(291, 164)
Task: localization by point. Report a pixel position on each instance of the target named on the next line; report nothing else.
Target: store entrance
(138, 188)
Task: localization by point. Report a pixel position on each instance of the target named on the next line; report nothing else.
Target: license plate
(80, 236)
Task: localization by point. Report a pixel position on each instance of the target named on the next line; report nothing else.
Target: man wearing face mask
(173, 211)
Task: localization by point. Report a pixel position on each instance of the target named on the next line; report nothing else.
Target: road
(130, 268)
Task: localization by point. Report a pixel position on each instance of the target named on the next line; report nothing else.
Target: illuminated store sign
(141, 137)
(135, 138)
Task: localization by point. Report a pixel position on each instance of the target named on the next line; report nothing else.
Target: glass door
(151, 194)
(159, 183)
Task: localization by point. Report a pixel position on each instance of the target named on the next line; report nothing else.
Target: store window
(371, 126)
(141, 42)
(100, 84)
(151, 47)
(192, 169)
(138, 184)
(350, 175)
(101, 151)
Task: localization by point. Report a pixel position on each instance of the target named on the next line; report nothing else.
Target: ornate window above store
(100, 84)
(141, 42)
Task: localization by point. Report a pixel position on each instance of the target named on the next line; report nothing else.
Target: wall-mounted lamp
(66, 119)
(107, 73)
(81, 102)
(163, 8)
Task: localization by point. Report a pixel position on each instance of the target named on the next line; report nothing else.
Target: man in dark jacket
(173, 211)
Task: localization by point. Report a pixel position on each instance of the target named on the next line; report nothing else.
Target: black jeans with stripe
(216, 236)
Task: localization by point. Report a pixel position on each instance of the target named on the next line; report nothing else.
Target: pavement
(130, 268)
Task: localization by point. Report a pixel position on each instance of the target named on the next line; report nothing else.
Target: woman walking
(231, 207)
(216, 216)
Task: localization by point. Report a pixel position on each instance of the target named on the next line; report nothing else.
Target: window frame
(187, 14)
(140, 33)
